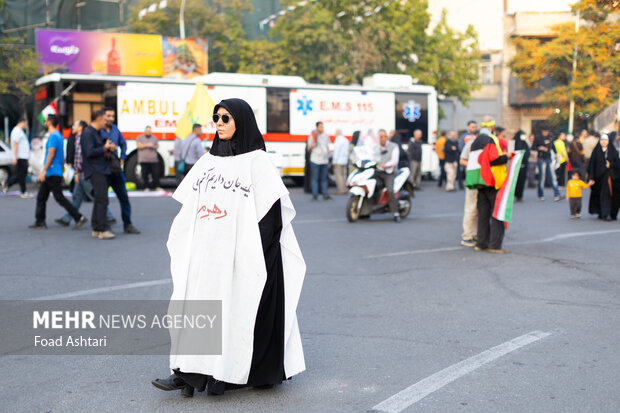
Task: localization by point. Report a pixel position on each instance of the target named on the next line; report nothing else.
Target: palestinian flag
(49, 109)
(505, 196)
(479, 170)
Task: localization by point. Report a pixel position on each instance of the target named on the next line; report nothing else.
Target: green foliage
(19, 68)
(450, 61)
(596, 82)
(314, 42)
(322, 47)
(219, 22)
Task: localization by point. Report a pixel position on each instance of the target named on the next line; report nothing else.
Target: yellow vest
(560, 149)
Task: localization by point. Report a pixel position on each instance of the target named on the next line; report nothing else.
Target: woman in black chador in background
(604, 172)
(239, 146)
(521, 145)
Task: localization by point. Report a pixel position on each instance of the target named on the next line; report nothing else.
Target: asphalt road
(385, 307)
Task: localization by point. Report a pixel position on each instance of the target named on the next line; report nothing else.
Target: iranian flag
(506, 194)
(48, 110)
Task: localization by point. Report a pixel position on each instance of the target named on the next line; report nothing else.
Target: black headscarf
(247, 137)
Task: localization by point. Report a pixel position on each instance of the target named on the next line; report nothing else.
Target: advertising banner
(161, 105)
(348, 111)
(122, 54)
(184, 58)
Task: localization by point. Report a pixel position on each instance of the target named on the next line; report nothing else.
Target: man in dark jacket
(96, 167)
(414, 150)
(486, 171)
(543, 143)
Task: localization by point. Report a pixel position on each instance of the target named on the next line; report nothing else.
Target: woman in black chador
(238, 146)
(521, 145)
(604, 172)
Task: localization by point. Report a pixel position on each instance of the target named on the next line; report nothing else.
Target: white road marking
(104, 289)
(539, 241)
(413, 394)
(567, 235)
(413, 252)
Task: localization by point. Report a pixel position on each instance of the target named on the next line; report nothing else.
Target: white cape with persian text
(216, 254)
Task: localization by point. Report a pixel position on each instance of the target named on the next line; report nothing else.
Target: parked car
(7, 169)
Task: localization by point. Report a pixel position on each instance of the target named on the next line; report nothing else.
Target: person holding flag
(486, 171)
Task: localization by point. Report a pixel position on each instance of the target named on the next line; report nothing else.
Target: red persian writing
(214, 213)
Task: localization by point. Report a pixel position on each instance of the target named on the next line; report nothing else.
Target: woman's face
(225, 130)
(604, 143)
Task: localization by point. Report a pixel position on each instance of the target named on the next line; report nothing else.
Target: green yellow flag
(199, 110)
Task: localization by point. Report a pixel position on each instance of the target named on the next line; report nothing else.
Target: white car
(7, 169)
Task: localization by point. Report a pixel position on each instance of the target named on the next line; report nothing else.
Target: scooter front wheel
(353, 213)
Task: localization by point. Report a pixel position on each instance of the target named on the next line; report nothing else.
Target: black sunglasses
(225, 118)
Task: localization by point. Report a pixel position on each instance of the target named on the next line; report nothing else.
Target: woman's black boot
(172, 382)
(188, 391)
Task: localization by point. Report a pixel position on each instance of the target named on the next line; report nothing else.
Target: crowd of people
(94, 155)
(562, 163)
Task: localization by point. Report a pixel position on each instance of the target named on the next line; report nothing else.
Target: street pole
(181, 22)
(571, 108)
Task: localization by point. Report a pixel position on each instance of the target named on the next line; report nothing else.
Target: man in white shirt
(388, 160)
(21, 154)
(339, 160)
(319, 160)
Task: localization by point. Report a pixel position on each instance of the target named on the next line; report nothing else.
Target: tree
(19, 68)
(596, 82)
(219, 22)
(342, 42)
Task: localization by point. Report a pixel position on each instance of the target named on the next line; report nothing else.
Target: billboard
(337, 109)
(121, 54)
(184, 58)
(161, 105)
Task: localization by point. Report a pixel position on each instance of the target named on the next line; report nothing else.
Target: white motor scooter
(362, 198)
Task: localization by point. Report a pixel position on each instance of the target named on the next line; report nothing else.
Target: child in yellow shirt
(573, 194)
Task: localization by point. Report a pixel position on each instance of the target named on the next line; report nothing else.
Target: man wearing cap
(543, 143)
(486, 172)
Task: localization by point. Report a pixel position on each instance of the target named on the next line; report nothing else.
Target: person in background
(439, 144)
(544, 145)
(117, 181)
(488, 175)
(51, 177)
(561, 153)
(589, 143)
(521, 145)
(386, 167)
(576, 153)
(414, 150)
(21, 154)
(176, 153)
(604, 172)
(470, 132)
(573, 193)
(339, 161)
(451, 158)
(351, 151)
(470, 214)
(403, 158)
(532, 163)
(96, 168)
(82, 188)
(191, 148)
(147, 158)
(615, 138)
(319, 160)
